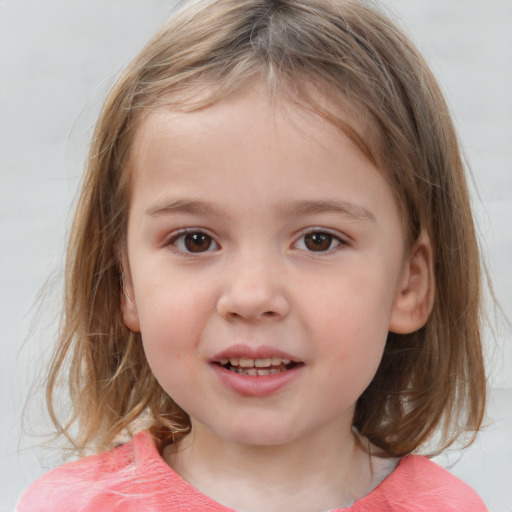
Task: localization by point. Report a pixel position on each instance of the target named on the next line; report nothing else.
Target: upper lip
(259, 352)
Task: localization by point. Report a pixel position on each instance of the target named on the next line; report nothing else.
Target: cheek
(171, 320)
(167, 302)
(349, 316)
(170, 343)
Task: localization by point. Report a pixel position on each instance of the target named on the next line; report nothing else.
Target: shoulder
(130, 478)
(87, 482)
(420, 484)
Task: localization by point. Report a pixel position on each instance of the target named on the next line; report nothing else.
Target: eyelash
(175, 239)
(332, 238)
(179, 239)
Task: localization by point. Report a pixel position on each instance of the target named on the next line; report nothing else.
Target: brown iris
(318, 241)
(197, 242)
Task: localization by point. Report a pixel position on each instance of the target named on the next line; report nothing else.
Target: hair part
(430, 379)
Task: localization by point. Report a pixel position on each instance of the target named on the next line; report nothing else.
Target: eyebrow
(292, 208)
(184, 206)
(344, 208)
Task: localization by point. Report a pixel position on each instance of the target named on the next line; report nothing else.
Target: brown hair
(430, 380)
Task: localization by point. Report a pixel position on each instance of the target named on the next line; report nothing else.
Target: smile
(257, 367)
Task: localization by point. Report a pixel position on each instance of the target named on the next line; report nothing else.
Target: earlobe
(128, 305)
(414, 297)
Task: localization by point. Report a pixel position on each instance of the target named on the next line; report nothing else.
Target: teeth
(255, 367)
(247, 362)
(253, 372)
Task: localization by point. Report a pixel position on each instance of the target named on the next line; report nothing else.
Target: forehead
(305, 98)
(245, 113)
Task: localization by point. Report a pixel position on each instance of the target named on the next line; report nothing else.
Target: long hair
(429, 381)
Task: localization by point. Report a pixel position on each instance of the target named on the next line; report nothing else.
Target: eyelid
(343, 240)
(171, 240)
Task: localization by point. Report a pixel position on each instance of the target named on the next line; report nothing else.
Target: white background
(57, 58)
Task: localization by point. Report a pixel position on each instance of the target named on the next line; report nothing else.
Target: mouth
(257, 367)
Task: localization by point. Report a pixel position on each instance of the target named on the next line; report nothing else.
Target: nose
(253, 290)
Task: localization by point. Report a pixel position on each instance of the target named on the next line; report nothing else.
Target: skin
(241, 177)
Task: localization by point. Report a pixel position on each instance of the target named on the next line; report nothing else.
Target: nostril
(270, 315)
(252, 305)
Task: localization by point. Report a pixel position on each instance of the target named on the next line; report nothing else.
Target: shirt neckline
(146, 453)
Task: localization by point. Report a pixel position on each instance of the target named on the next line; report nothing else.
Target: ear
(414, 297)
(128, 305)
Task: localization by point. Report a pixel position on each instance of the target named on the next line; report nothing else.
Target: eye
(193, 242)
(319, 241)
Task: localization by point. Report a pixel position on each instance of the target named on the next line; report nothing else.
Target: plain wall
(57, 59)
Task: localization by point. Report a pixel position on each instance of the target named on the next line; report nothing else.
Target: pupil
(318, 241)
(197, 242)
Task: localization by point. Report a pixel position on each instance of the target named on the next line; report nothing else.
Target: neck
(315, 473)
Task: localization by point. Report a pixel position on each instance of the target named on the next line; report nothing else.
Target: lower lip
(257, 385)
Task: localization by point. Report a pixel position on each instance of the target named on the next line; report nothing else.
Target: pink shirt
(135, 478)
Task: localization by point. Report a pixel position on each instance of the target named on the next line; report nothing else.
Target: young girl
(273, 280)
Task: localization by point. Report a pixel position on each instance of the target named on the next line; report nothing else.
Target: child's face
(260, 233)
